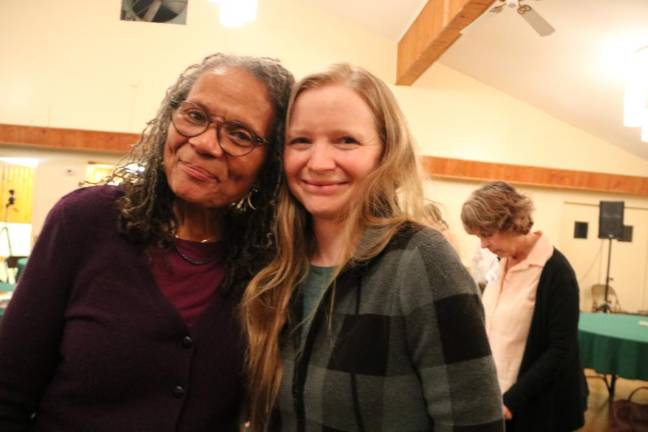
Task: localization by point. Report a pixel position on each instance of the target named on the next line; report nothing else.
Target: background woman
(433, 217)
(531, 314)
(365, 320)
(125, 317)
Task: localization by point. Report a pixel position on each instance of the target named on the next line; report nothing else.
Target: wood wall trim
(458, 169)
(436, 28)
(66, 139)
(437, 167)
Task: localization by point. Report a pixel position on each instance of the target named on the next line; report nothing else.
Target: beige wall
(453, 115)
(74, 64)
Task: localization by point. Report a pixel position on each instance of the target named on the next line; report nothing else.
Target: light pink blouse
(508, 304)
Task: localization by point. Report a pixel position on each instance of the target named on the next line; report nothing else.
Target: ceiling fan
(153, 10)
(530, 15)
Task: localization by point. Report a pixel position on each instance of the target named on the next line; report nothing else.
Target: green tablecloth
(614, 344)
(4, 286)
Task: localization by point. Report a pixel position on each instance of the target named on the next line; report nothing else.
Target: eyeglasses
(190, 120)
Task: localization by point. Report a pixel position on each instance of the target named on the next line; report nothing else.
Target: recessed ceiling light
(236, 13)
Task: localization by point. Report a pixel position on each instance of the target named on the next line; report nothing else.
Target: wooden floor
(597, 415)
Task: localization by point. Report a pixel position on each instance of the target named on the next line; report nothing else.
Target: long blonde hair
(390, 196)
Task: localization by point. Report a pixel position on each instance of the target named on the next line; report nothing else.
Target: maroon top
(90, 343)
(188, 275)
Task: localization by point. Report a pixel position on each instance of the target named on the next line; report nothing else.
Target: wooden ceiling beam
(66, 139)
(435, 29)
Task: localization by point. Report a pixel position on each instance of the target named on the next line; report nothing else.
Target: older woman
(125, 317)
(365, 320)
(531, 314)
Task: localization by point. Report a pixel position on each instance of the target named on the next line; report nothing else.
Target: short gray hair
(497, 207)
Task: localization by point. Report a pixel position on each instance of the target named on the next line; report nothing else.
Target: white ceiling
(575, 74)
(388, 18)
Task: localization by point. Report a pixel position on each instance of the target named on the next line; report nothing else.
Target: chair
(6, 290)
(598, 299)
(20, 266)
(13, 267)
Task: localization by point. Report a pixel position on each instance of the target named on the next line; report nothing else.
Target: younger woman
(365, 320)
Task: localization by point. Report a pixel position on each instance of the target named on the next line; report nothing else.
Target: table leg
(611, 384)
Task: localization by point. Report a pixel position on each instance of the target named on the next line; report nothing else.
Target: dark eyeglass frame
(219, 123)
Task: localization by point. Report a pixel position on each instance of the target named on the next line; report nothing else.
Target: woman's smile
(198, 173)
(323, 187)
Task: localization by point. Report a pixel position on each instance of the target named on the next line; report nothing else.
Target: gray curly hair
(146, 208)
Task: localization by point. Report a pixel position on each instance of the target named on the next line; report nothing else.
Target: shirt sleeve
(31, 328)
(561, 318)
(446, 338)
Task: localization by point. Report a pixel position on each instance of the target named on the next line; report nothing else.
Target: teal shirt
(315, 284)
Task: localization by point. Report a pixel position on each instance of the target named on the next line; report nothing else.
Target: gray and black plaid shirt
(405, 349)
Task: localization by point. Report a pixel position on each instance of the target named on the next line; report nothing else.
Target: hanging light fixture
(236, 13)
(635, 98)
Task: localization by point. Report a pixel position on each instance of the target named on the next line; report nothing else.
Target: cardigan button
(187, 342)
(178, 392)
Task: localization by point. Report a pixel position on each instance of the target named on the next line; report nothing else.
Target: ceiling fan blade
(152, 10)
(535, 20)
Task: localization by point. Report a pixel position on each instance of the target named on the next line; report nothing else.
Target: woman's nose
(207, 143)
(322, 157)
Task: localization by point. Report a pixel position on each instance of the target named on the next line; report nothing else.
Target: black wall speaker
(580, 230)
(611, 219)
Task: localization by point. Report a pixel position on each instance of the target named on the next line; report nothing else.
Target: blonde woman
(434, 218)
(365, 320)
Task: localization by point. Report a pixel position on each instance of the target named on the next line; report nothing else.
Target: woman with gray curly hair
(531, 314)
(126, 316)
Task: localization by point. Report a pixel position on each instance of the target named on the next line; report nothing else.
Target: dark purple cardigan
(89, 342)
